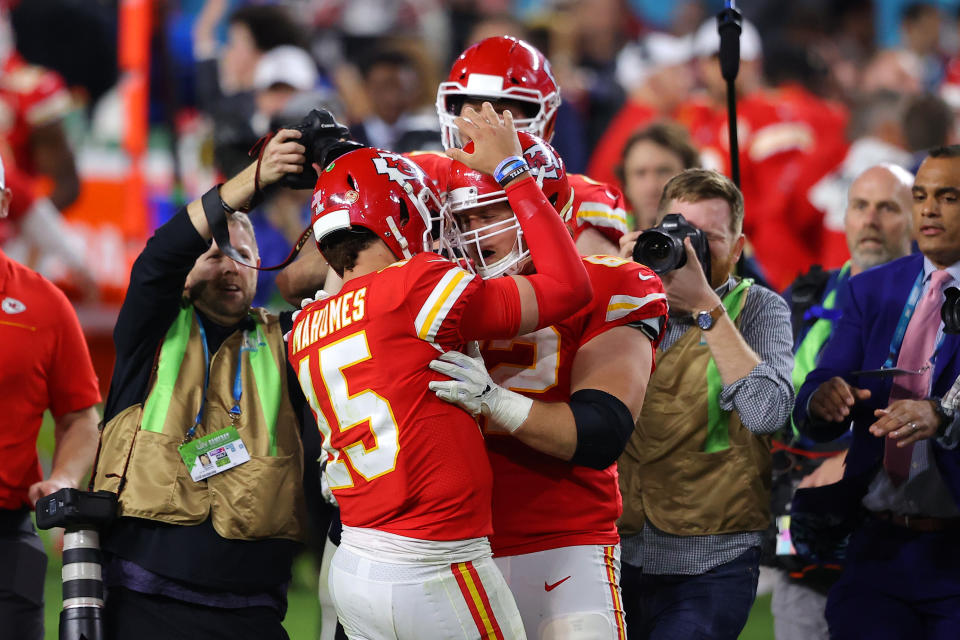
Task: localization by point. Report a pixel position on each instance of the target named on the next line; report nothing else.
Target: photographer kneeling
(202, 433)
(695, 476)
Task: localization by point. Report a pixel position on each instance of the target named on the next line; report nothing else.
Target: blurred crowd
(819, 100)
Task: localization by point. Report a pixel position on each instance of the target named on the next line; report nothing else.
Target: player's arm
(560, 286)
(591, 242)
(282, 155)
(75, 435)
(608, 382)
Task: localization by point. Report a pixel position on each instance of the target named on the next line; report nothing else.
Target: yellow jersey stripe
(444, 295)
(621, 305)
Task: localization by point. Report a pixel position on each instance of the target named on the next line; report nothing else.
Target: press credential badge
(214, 453)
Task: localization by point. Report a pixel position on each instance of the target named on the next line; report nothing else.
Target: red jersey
(399, 459)
(772, 141)
(539, 501)
(597, 205)
(44, 364)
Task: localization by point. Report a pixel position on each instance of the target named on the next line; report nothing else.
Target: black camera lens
(659, 251)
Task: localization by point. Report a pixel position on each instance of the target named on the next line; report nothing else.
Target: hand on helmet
(494, 138)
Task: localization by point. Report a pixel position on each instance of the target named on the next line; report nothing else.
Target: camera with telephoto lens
(950, 311)
(81, 514)
(325, 140)
(661, 248)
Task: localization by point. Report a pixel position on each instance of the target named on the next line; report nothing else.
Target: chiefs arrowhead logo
(395, 167)
(12, 305)
(541, 162)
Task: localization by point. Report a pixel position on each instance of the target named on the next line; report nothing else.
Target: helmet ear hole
(554, 198)
(404, 213)
(351, 182)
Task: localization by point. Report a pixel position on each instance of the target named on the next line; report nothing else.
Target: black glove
(320, 133)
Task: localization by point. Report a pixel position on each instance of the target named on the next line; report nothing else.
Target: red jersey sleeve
(72, 381)
(597, 205)
(434, 164)
(436, 292)
(625, 293)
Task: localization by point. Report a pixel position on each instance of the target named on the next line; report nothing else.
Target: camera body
(72, 508)
(324, 139)
(661, 248)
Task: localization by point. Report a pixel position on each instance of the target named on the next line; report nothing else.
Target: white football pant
(464, 600)
(569, 593)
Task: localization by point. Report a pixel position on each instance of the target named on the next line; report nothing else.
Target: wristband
(506, 165)
(499, 177)
(519, 171)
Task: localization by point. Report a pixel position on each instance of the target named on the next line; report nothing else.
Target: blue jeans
(714, 605)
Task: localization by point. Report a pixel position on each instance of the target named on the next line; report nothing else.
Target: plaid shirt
(763, 399)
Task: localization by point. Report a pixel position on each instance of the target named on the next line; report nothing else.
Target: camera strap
(220, 230)
(256, 151)
(219, 224)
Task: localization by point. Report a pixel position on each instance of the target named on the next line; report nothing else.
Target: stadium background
(143, 148)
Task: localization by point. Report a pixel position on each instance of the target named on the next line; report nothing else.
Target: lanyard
(718, 420)
(901, 329)
(237, 381)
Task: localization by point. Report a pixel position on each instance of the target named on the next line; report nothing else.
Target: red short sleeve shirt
(44, 364)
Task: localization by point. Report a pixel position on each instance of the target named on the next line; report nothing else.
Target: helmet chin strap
(395, 230)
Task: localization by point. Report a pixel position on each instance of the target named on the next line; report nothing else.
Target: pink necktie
(915, 354)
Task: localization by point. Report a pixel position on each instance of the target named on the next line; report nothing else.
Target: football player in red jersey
(515, 76)
(408, 470)
(580, 384)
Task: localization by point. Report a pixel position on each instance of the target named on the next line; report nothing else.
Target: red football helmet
(385, 193)
(469, 189)
(500, 68)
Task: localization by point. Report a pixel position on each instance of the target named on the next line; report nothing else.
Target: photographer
(695, 476)
(44, 364)
(202, 551)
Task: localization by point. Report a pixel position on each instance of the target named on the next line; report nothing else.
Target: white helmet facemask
(473, 241)
(476, 88)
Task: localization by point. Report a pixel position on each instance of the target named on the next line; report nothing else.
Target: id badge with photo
(214, 453)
